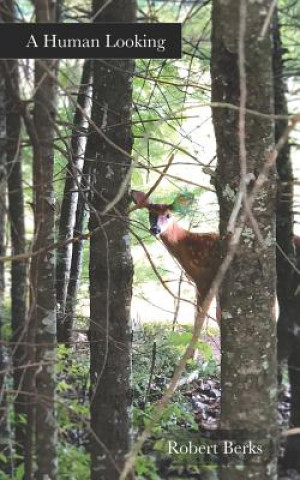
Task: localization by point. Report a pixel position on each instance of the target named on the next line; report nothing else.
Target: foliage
(145, 468)
(74, 462)
(169, 347)
(183, 202)
(289, 18)
(18, 472)
(73, 407)
(178, 419)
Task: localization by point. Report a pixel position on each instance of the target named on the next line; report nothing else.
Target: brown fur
(198, 253)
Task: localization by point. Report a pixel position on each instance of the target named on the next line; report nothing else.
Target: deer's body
(198, 253)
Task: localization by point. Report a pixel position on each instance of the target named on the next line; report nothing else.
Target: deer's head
(160, 214)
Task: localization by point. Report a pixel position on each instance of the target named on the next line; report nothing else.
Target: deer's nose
(155, 230)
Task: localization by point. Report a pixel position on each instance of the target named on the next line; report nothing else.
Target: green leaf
(180, 339)
(205, 349)
(19, 472)
(63, 387)
(183, 202)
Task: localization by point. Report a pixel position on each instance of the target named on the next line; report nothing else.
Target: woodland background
(95, 316)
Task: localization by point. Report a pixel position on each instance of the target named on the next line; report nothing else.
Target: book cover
(149, 274)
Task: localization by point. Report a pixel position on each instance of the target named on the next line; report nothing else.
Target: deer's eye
(168, 215)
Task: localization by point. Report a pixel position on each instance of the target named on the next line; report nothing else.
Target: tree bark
(17, 234)
(43, 271)
(5, 446)
(284, 201)
(248, 327)
(23, 355)
(18, 269)
(70, 198)
(77, 251)
(287, 278)
(110, 258)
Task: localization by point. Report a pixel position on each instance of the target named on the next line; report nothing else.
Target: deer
(199, 254)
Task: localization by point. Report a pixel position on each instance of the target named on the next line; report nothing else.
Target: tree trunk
(110, 258)
(77, 251)
(43, 272)
(70, 197)
(18, 269)
(284, 207)
(23, 355)
(287, 277)
(284, 204)
(248, 327)
(17, 233)
(5, 444)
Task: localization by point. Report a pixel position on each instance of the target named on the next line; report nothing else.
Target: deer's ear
(140, 199)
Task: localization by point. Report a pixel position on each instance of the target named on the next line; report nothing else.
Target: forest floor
(194, 411)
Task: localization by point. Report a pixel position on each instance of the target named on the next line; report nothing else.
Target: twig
(100, 10)
(287, 258)
(177, 301)
(290, 432)
(153, 360)
(238, 203)
(267, 20)
(243, 95)
(161, 176)
(242, 120)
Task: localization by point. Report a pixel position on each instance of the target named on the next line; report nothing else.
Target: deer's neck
(174, 240)
(173, 235)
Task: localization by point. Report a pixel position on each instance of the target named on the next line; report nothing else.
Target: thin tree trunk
(5, 445)
(18, 269)
(17, 233)
(70, 198)
(248, 326)
(28, 333)
(43, 272)
(80, 221)
(110, 258)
